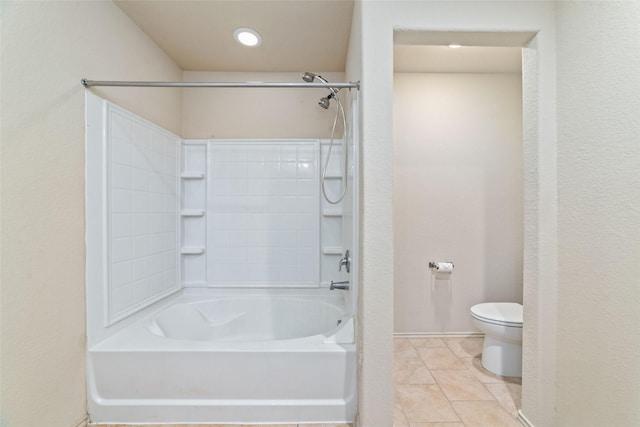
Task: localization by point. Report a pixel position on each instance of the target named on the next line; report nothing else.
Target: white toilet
(501, 323)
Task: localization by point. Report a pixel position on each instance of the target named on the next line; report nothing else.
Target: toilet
(501, 323)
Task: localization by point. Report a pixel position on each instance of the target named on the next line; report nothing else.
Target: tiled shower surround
(143, 242)
(212, 213)
(261, 202)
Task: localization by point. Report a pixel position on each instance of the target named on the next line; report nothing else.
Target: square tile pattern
(264, 223)
(440, 382)
(142, 172)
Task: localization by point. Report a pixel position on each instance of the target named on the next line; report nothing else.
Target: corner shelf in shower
(332, 212)
(192, 175)
(192, 213)
(192, 251)
(333, 176)
(332, 250)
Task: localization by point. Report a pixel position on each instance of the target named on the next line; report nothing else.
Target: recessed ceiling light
(247, 37)
(455, 46)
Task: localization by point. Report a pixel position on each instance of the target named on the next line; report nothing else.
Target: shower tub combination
(223, 356)
(207, 297)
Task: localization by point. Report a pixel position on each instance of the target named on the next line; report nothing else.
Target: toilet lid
(506, 313)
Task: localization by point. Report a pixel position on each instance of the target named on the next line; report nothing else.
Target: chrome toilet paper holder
(433, 264)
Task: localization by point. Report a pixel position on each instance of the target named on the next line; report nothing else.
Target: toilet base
(502, 357)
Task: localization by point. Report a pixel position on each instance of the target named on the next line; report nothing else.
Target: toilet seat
(499, 313)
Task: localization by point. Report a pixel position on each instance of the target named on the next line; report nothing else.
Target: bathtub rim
(135, 335)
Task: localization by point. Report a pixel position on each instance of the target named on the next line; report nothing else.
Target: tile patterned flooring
(440, 382)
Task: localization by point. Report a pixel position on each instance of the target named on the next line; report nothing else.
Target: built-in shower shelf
(332, 250)
(332, 176)
(332, 212)
(192, 175)
(192, 213)
(192, 251)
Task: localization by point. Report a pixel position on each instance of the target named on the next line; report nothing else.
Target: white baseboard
(523, 420)
(438, 335)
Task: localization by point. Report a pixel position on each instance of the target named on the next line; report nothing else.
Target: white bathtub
(229, 357)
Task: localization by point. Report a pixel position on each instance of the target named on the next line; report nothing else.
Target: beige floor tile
(465, 347)
(402, 348)
(399, 419)
(460, 384)
(439, 358)
(425, 403)
(474, 364)
(411, 371)
(484, 414)
(436, 425)
(509, 396)
(427, 342)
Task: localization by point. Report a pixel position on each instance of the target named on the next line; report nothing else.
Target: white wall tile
(141, 246)
(121, 273)
(121, 249)
(142, 184)
(121, 152)
(121, 127)
(121, 225)
(140, 179)
(255, 206)
(121, 200)
(140, 268)
(140, 224)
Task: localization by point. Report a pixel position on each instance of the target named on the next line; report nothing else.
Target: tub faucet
(339, 285)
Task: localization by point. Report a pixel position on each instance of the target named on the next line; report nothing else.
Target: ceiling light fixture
(455, 46)
(247, 37)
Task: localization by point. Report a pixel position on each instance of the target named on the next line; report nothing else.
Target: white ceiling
(309, 35)
(304, 35)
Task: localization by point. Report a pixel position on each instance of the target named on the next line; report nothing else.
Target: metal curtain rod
(90, 83)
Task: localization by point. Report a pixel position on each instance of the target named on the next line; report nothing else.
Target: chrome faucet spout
(339, 285)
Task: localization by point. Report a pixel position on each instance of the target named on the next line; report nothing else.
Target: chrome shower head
(324, 102)
(308, 77)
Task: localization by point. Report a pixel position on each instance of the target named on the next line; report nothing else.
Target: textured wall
(47, 47)
(599, 213)
(457, 196)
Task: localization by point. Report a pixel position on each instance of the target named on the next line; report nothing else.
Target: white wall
(457, 196)
(47, 47)
(257, 113)
(376, 23)
(599, 213)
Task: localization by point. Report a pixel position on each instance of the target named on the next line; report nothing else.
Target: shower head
(324, 102)
(308, 77)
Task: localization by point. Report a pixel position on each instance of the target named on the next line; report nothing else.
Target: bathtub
(227, 356)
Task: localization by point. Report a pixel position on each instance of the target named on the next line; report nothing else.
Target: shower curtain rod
(90, 83)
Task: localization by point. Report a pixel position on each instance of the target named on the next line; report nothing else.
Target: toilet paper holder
(433, 264)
